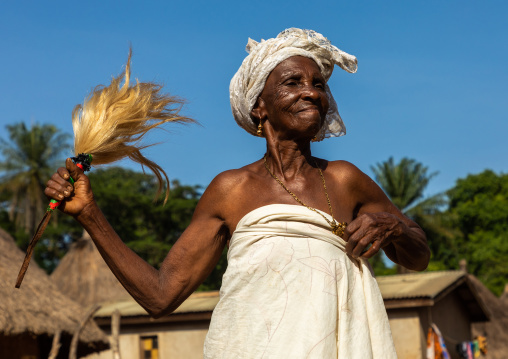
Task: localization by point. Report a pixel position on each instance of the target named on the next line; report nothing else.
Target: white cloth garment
(290, 291)
(249, 81)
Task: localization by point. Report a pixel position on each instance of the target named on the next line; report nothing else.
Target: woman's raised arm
(186, 266)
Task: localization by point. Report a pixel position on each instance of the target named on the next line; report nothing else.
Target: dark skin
(291, 108)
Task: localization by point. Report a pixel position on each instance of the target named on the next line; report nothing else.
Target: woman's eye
(320, 85)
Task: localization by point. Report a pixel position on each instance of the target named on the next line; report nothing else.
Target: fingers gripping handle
(83, 161)
(53, 204)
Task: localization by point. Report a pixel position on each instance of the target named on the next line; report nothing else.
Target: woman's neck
(288, 158)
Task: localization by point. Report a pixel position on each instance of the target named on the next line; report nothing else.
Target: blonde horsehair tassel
(110, 125)
(113, 119)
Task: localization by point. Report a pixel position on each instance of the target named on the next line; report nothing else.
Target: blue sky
(432, 82)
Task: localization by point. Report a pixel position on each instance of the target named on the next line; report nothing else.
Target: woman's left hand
(375, 229)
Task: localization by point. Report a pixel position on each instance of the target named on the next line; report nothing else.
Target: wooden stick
(115, 334)
(55, 346)
(38, 233)
(79, 328)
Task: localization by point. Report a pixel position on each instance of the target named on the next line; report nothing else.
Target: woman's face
(294, 99)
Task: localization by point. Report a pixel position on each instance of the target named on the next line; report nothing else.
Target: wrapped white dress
(290, 291)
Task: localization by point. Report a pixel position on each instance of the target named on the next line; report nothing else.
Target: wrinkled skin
(294, 99)
(291, 109)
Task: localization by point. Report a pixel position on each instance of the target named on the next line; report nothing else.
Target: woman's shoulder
(348, 174)
(234, 179)
(231, 193)
(342, 168)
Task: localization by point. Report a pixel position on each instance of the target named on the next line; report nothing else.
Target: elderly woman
(299, 228)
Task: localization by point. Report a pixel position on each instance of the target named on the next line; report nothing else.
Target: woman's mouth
(310, 108)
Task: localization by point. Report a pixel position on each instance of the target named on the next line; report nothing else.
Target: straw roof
(198, 302)
(38, 307)
(428, 288)
(496, 330)
(504, 296)
(417, 285)
(84, 276)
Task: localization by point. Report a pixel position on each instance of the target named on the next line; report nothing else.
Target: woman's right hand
(74, 198)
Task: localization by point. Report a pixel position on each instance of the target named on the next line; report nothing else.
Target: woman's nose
(310, 91)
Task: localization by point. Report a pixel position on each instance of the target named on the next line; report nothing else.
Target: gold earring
(314, 139)
(260, 129)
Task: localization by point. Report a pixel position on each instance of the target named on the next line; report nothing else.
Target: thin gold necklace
(337, 228)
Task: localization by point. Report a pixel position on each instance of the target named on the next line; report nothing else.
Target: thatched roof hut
(504, 296)
(30, 316)
(84, 276)
(496, 330)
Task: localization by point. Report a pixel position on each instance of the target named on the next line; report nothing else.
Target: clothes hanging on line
(472, 349)
(436, 348)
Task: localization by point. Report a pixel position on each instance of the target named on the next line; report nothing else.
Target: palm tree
(404, 183)
(28, 159)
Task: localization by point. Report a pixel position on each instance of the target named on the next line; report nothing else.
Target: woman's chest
(332, 199)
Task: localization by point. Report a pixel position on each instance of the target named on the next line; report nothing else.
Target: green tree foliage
(442, 237)
(473, 226)
(378, 263)
(404, 183)
(479, 209)
(28, 159)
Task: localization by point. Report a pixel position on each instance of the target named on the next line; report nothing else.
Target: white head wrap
(264, 56)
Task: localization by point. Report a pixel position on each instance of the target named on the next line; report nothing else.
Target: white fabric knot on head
(249, 81)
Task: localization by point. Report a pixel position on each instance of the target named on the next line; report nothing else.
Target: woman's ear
(258, 113)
